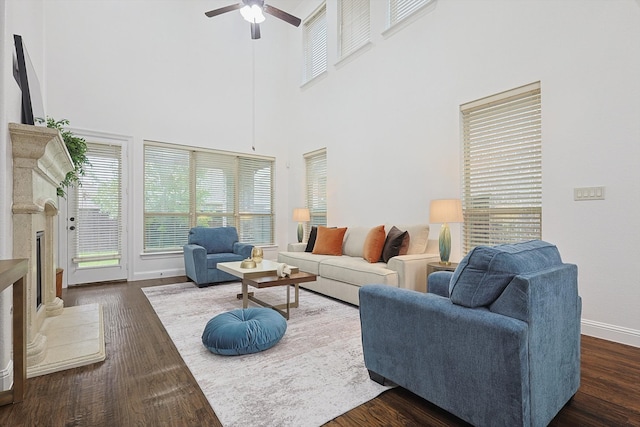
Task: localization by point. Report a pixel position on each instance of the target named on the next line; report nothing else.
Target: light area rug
(314, 374)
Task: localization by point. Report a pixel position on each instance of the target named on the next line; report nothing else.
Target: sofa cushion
(357, 271)
(373, 244)
(396, 242)
(312, 239)
(329, 241)
(214, 239)
(354, 241)
(486, 271)
(305, 261)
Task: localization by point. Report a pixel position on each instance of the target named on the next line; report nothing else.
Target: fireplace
(40, 163)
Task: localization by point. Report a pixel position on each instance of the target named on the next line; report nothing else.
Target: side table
(13, 272)
(436, 266)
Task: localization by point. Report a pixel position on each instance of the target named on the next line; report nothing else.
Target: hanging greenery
(77, 148)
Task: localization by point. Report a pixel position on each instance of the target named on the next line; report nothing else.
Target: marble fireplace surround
(57, 338)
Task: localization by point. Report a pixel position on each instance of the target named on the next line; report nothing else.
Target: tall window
(96, 208)
(315, 44)
(502, 196)
(355, 24)
(185, 187)
(401, 9)
(316, 167)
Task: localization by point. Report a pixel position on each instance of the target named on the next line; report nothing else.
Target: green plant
(77, 148)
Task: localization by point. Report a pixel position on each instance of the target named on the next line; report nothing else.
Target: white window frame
(355, 26)
(316, 186)
(237, 209)
(315, 55)
(502, 167)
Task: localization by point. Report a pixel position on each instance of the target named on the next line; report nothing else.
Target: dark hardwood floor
(144, 382)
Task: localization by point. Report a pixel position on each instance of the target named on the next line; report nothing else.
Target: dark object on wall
(25, 75)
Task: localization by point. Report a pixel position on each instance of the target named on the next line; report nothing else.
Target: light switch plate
(588, 193)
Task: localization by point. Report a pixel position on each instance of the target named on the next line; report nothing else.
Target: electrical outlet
(588, 193)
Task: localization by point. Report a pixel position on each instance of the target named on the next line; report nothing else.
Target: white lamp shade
(301, 215)
(445, 210)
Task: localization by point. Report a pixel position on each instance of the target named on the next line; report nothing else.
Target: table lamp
(301, 215)
(445, 211)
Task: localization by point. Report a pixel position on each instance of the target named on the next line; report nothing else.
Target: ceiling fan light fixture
(252, 13)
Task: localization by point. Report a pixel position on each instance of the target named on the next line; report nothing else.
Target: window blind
(97, 208)
(166, 198)
(315, 44)
(355, 25)
(401, 9)
(186, 187)
(316, 182)
(215, 190)
(256, 222)
(502, 144)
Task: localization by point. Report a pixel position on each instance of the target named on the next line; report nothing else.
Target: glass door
(94, 219)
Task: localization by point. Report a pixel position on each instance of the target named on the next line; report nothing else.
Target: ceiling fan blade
(222, 10)
(281, 14)
(255, 31)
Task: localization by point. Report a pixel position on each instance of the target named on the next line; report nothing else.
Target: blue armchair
(206, 248)
(497, 345)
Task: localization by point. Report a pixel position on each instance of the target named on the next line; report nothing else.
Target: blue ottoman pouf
(244, 331)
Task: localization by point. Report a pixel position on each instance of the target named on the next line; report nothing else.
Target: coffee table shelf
(265, 276)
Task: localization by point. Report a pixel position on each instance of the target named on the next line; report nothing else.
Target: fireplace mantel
(38, 150)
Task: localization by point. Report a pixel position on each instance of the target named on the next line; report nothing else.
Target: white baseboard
(613, 333)
(158, 274)
(6, 377)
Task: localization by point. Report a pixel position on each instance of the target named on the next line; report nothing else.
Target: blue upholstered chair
(206, 248)
(497, 344)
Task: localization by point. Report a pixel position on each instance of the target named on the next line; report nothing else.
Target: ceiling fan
(252, 11)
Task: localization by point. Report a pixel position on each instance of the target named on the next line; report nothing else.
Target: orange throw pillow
(329, 241)
(373, 244)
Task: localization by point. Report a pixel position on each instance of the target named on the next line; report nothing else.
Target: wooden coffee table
(265, 276)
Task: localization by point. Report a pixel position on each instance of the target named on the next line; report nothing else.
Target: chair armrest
(412, 270)
(296, 247)
(439, 283)
(195, 263)
(243, 249)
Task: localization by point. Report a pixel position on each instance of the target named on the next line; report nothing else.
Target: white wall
(390, 121)
(163, 71)
(389, 117)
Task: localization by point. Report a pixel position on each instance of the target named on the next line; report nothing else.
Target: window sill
(353, 55)
(314, 80)
(159, 255)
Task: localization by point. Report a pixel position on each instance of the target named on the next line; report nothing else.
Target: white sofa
(341, 276)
